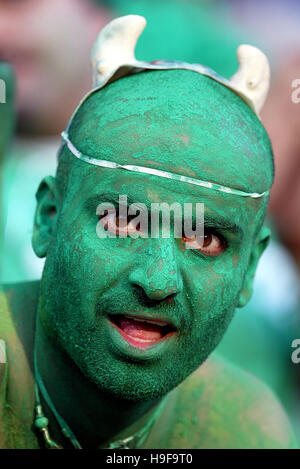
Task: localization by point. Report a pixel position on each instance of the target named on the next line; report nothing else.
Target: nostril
(150, 300)
(156, 289)
(138, 284)
(170, 299)
(157, 294)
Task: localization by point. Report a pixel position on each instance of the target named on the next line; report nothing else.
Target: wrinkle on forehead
(179, 121)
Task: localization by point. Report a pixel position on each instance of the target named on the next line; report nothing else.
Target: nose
(157, 271)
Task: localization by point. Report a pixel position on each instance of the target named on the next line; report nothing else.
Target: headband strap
(157, 172)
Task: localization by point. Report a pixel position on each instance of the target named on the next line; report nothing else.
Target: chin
(132, 383)
(136, 395)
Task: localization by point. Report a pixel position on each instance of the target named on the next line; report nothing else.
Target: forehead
(177, 121)
(89, 186)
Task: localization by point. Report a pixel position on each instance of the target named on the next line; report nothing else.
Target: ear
(257, 250)
(48, 203)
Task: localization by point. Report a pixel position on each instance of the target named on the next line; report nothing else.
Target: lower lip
(140, 343)
(140, 349)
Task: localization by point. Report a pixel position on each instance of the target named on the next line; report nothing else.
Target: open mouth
(141, 332)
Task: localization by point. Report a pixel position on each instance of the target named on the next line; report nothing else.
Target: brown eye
(212, 245)
(118, 225)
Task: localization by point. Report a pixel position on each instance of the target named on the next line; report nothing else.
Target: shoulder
(226, 407)
(17, 307)
(17, 315)
(6, 323)
(17, 302)
(3, 385)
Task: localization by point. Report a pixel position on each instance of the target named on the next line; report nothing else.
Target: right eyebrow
(112, 197)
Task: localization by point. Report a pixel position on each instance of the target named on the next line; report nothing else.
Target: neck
(99, 418)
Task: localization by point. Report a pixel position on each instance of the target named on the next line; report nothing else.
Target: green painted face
(177, 121)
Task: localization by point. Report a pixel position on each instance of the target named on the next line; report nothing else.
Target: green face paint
(176, 121)
(225, 139)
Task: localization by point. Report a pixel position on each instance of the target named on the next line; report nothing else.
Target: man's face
(92, 284)
(95, 291)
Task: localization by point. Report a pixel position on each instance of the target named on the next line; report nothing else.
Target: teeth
(158, 323)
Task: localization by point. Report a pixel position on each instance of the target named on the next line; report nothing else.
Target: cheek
(215, 289)
(86, 266)
(213, 304)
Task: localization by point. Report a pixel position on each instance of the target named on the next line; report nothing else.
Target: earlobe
(46, 213)
(259, 247)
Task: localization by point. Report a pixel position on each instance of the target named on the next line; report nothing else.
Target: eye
(212, 244)
(118, 224)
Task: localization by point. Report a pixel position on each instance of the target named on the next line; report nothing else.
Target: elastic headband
(157, 172)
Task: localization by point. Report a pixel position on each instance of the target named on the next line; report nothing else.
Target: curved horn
(115, 46)
(253, 76)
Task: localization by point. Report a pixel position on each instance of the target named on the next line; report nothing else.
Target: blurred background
(44, 62)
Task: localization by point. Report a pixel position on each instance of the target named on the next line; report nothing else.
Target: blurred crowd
(44, 56)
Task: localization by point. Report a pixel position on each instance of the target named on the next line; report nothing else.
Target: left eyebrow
(221, 223)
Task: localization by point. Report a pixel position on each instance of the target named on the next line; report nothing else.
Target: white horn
(253, 76)
(115, 46)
